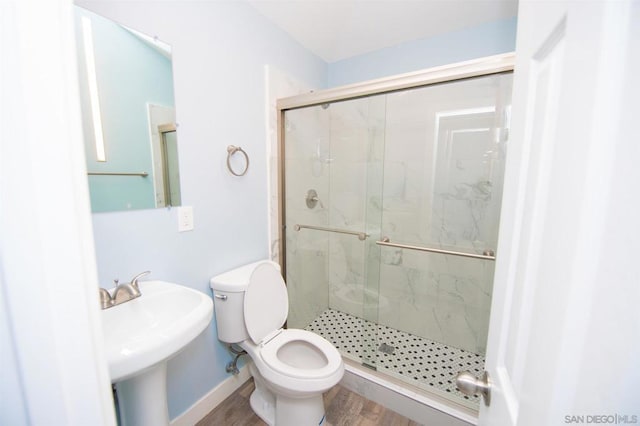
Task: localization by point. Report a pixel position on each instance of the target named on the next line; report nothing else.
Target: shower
(394, 265)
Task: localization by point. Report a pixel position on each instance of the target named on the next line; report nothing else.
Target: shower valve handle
(312, 199)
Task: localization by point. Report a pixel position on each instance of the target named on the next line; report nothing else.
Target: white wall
(219, 53)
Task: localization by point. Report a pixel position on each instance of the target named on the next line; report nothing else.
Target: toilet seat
(269, 353)
(266, 305)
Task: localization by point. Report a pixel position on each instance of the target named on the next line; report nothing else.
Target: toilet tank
(228, 301)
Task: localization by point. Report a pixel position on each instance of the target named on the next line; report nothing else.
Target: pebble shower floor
(426, 363)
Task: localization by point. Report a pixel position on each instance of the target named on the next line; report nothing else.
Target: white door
(564, 332)
(53, 369)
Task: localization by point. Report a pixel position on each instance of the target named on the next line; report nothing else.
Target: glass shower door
(443, 176)
(307, 185)
(333, 173)
(370, 183)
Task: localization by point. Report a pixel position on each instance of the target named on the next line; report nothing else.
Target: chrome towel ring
(231, 149)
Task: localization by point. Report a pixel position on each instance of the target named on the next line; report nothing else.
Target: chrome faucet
(122, 292)
(134, 280)
(105, 299)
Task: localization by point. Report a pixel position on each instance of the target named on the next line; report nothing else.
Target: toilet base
(264, 409)
(262, 400)
(300, 411)
(280, 410)
(289, 411)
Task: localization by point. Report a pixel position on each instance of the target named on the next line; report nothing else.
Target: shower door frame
(496, 64)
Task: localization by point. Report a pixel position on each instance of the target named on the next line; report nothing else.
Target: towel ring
(231, 149)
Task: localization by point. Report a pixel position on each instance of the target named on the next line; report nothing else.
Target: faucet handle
(105, 299)
(134, 281)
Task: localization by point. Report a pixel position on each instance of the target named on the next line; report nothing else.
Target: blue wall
(130, 74)
(219, 53)
(475, 42)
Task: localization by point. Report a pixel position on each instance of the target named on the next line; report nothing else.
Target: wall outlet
(185, 218)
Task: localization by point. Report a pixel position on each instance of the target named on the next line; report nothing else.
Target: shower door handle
(470, 385)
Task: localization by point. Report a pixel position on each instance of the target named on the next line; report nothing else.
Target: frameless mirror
(128, 114)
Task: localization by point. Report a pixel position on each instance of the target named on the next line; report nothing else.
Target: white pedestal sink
(141, 335)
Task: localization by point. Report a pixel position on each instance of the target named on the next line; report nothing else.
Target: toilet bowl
(291, 368)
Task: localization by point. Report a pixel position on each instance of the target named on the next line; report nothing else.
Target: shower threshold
(421, 362)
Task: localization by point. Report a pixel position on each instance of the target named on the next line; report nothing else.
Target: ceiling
(339, 29)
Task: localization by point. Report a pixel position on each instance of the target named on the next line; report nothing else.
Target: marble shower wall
(422, 167)
(307, 251)
(357, 145)
(278, 85)
(330, 149)
(443, 176)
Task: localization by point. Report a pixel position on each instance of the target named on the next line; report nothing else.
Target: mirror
(128, 114)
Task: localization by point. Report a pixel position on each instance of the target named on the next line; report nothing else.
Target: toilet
(291, 368)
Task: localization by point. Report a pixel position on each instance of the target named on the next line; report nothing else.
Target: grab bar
(361, 235)
(143, 174)
(486, 255)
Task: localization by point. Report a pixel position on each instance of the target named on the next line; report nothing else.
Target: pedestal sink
(141, 335)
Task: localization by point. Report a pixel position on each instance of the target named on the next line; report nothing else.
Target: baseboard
(211, 400)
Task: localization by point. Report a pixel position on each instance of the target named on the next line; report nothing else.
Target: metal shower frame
(458, 71)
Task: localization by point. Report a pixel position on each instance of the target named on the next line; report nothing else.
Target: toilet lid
(266, 303)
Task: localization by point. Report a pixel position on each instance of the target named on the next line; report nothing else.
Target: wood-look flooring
(344, 408)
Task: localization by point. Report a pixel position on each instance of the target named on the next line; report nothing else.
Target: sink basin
(153, 327)
(141, 335)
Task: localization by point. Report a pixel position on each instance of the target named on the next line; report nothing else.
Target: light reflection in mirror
(90, 63)
(132, 73)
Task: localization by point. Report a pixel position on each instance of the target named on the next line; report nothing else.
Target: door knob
(470, 385)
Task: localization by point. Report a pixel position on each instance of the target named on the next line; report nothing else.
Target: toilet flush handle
(220, 296)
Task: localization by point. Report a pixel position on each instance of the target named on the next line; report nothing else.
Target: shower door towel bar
(487, 255)
(361, 235)
(232, 149)
(143, 174)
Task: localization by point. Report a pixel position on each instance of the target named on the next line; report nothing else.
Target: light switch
(185, 218)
